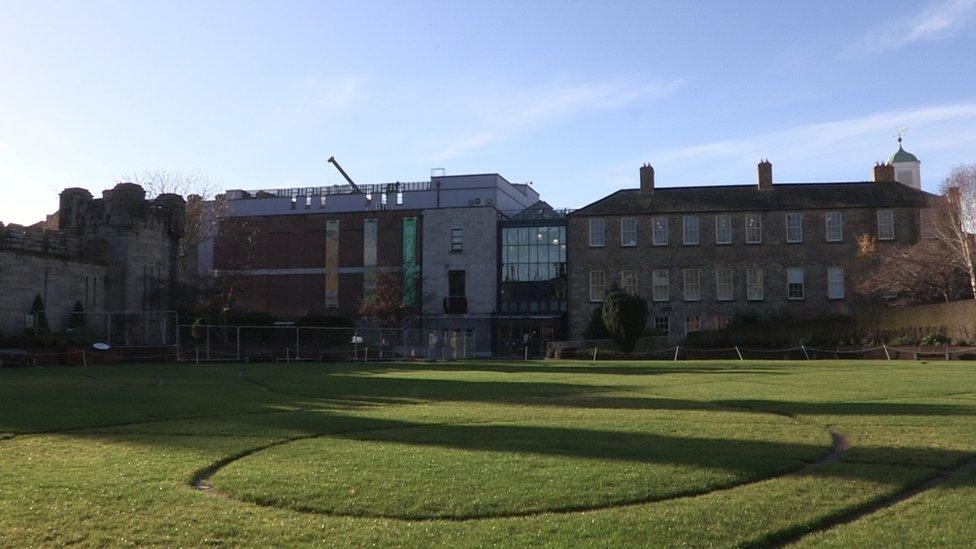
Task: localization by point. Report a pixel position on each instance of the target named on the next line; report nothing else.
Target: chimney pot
(646, 178)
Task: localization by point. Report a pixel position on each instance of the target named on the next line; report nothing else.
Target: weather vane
(901, 131)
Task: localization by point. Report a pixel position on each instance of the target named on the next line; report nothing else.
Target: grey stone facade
(477, 259)
(117, 253)
(858, 204)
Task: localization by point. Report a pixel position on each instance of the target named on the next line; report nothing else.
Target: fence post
(676, 348)
(238, 343)
(887, 354)
(947, 351)
(594, 353)
(738, 352)
(804, 349)
(196, 353)
(84, 359)
(298, 345)
(366, 353)
(208, 342)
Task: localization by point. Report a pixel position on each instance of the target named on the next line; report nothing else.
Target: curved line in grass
(796, 533)
(201, 481)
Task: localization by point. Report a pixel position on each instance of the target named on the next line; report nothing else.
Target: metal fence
(117, 328)
(799, 352)
(285, 343)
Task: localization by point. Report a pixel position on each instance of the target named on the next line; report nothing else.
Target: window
(628, 231)
(596, 232)
(794, 283)
(597, 285)
(835, 283)
(457, 240)
(692, 324)
(754, 284)
(661, 283)
(322, 201)
(660, 230)
(690, 224)
(399, 198)
(794, 227)
(835, 226)
(628, 282)
(722, 322)
(662, 325)
(692, 279)
(753, 228)
(723, 284)
(455, 284)
(723, 229)
(886, 225)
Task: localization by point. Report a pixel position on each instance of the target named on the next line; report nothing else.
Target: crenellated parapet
(36, 241)
(122, 208)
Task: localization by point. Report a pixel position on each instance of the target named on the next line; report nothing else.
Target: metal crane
(355, 189)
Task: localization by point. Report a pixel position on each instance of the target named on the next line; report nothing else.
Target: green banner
(410, 261)
(332, 263)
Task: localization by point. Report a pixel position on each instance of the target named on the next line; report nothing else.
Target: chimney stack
(765, 175)
(884, 171)
(646, 178)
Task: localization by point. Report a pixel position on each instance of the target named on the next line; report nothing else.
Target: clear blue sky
(570, 95)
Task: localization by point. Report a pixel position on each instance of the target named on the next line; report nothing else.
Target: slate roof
(783, 196)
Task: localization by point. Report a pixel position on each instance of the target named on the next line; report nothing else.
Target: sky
(572, 96)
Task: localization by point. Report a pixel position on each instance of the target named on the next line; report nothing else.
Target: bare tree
(385, 306)
(204, 207)
(921, 273)
(953, 220)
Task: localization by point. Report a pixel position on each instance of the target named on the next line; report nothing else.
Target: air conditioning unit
(477, 201)
(490, 202)
(470, 202)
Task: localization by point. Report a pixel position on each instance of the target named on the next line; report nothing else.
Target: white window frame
(666, 323)
(689, 283)
(755, 280)
(659, 231)
(835, 283)
(753, 226)
(798, 227)
(834, 222)
(628, 237)
(623, 281)
(724, 288)
(598, 235)
(800, 277)
(723, 229)
(457, 240)
(660, 279)
(597, 281)
(886, 228)
(690, 229)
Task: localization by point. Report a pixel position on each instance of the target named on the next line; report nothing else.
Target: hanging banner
(410, 261)
(369, 257)
(332, 263)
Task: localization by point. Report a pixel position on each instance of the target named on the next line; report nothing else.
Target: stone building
(118, 254)
(701, 256)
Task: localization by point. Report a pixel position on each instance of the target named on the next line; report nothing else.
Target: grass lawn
(716, 453)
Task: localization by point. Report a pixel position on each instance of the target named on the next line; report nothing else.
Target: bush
(625, 317)
(935, 339)
(76, 320)
(595, 328)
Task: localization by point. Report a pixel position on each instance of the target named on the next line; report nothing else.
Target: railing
(455, 305)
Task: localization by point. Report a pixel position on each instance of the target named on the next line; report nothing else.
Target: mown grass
(555, 453)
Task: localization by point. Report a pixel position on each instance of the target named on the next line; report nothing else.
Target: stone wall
(62, 269)
(117, 253)
(956, 319)
(774, 255)
(478, 260)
